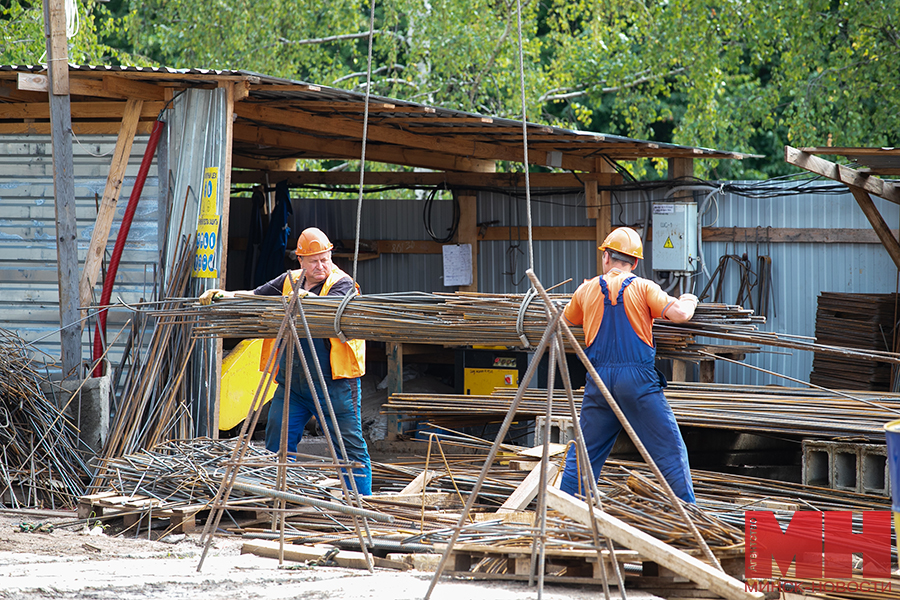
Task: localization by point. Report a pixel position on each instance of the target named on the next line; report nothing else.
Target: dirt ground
(78, 564)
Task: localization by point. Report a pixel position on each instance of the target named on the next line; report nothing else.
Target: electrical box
(675, 244)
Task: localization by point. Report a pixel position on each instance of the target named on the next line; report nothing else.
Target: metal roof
(282, 118)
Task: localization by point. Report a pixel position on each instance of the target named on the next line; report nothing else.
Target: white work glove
(690, 297)
(209, 296)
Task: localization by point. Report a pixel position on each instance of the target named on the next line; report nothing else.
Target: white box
(675, 237)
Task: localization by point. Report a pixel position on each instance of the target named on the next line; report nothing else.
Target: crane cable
(525, 134)
(362, 160)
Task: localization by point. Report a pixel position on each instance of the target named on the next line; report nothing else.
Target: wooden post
(107, 210)
(230, 95)
(599, 205)
(63, 187)
(468, 234)
(877, 221)
(395, 384)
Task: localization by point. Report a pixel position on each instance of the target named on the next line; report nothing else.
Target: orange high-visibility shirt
(644, 301)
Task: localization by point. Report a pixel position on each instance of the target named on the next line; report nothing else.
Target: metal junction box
(675, 236)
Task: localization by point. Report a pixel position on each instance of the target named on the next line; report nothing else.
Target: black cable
(426, 217)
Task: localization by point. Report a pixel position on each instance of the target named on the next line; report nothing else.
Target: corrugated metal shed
(28, 271)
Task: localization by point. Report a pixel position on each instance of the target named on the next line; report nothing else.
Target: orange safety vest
(348, 359)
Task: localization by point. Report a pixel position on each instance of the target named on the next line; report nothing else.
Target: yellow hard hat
(624, 240)
(313, 241)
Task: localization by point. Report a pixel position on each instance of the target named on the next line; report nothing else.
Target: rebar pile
(794, 411)
(445, 319)
(40, 464)
(153, 406)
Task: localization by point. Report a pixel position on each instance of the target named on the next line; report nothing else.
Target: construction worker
(342, 363)
(617, 311)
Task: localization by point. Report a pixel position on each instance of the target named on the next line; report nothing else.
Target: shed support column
(63, 187)
(468, 234)
(599, 205)
(395, 384)
(877, 221)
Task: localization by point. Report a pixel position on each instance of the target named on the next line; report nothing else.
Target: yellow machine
(482, 369)
(240, 379)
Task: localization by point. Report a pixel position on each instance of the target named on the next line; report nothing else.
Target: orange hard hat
(624, 240)
(313, 241)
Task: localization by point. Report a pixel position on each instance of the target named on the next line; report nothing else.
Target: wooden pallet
(133, 509)
(476, 561)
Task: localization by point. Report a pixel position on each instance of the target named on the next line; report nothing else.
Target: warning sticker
(663, 209)
(668, 243)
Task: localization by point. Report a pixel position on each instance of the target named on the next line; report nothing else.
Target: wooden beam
(789, 235)
(110, 86)
(81, 110)
(603, 225)
(337, 126)
(418, 485)
(348, 559)
(846, 175)
(467, 233)
(107, 210)
(78, 128)
(317, 147)
(881, 229)
(416, 178)
(287, 165)
(651, 548)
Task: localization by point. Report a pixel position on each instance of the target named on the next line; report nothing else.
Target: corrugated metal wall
(800, 271)
(29, 290)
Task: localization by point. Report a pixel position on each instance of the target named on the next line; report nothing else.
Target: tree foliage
(730, 74)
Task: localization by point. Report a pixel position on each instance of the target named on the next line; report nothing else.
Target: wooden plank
(391, 135)
(81, 110)
(528, 489)
(110, 86)
(881, 229)
(467, 233)
(651, 548)
(309, 146)
(409, 178)
(417, 485)
(78, 127)
(344, 558)
(787, 235)
(846, 175)
(107, 210)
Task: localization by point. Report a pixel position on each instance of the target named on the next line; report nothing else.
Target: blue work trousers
(345, 399)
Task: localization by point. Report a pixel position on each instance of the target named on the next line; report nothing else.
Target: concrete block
(855, 467)
(86, 402)
(562, 430)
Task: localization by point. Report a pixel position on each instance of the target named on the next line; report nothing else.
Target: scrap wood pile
(512, 320)
(863, 321)
(748, 408)
(41, 460)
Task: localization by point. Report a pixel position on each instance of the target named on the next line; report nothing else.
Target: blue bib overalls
(626, 364)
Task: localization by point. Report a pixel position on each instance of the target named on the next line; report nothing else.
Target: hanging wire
(362, 159)
(525, 134)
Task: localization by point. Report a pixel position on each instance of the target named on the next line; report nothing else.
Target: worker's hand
(209, 296)
(690, 297)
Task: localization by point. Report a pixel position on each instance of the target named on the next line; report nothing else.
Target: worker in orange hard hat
(343, 363)
(617, 311)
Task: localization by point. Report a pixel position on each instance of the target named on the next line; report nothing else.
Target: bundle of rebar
(745, 408)
(40, 462)
(153, 407)
(462, 319)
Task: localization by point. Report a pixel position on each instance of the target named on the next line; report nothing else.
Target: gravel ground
(87, 565)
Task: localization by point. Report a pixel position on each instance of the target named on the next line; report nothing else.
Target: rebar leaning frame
(556, 328)
(229, 478)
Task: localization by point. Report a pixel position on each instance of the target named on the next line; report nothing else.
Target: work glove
(690, 297)
(209, 296)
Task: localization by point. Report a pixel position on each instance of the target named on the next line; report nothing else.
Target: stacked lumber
(860, 321)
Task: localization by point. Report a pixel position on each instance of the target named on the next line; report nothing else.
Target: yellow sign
(208, 227)
(668, 243)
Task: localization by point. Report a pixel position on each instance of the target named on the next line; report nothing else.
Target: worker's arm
(682, 309)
